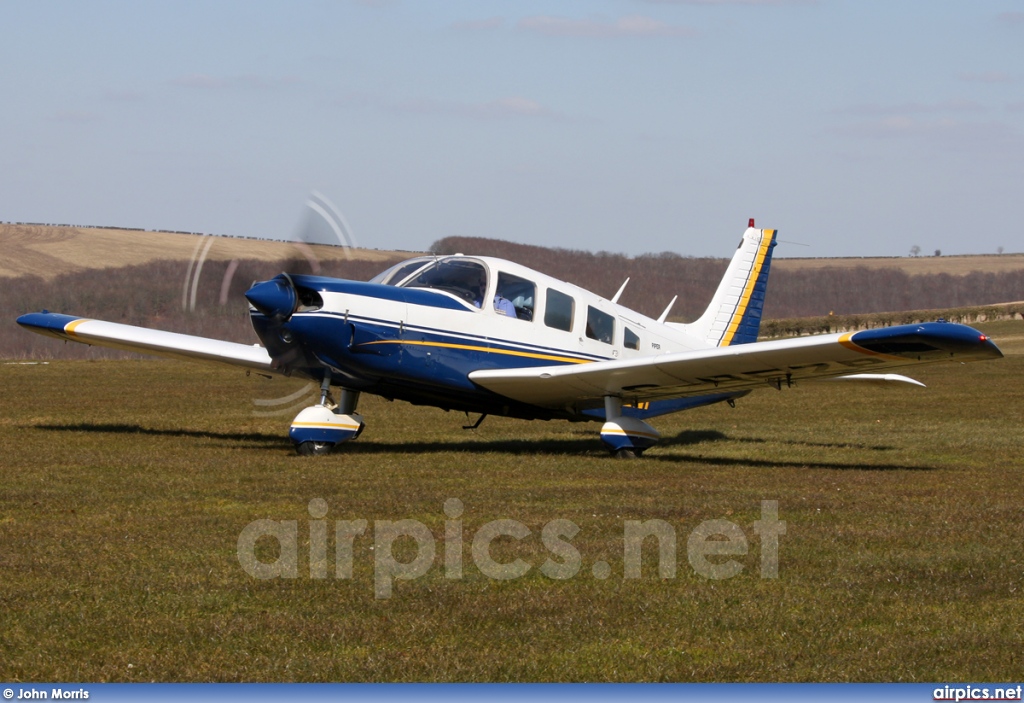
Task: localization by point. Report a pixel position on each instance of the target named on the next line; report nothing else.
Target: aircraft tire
(625, 453)
(313, 448)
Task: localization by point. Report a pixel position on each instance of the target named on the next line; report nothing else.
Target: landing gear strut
(318, 429)
(625, 437)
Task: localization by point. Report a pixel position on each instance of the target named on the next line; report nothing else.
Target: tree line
(154, 294)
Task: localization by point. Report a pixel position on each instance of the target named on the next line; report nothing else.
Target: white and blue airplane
(485, 335)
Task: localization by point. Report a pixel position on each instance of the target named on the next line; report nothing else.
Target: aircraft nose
(275, 298)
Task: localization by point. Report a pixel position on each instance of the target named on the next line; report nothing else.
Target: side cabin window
(514, 296)
(631, 339)
(558, 310)
(600, 325)
(463, 278)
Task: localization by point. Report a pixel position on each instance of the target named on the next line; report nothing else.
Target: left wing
(148, 341)
(740, 367)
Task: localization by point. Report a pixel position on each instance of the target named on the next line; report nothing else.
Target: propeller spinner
(276, 298)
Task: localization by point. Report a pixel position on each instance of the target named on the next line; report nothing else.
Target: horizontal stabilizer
(881, 379)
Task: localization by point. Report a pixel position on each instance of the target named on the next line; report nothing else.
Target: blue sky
(857, 128)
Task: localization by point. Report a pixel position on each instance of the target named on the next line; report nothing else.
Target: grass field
(126, 485)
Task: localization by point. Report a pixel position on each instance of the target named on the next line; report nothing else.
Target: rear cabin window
(600, 325)
(519, 292)
(558, 310)
(631, 339)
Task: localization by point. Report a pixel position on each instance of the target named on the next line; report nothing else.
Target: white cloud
(250, 81)
(123, 96)
(987, 77)
(776, 3)
(75, 116)
(265, 82)
(502, 108)
(514, 106)
(479, 25)
(629, 26)
(511, 107)
(940, 134)
(199, 80)
(957, 105)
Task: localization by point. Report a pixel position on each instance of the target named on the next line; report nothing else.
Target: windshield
(463, 278)
(399, 272)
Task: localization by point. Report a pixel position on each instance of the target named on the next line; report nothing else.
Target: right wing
(148, 341)
(742, 367)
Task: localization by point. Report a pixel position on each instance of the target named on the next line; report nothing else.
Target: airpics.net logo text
(711, 547)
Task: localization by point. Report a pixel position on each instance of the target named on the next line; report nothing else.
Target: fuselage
(417, 330)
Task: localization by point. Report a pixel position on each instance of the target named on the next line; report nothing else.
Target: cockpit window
(463, 278)
(399, 272)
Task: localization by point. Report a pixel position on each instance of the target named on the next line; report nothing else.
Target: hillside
(50, 250)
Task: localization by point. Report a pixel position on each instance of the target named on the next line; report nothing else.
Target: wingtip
(46, 321)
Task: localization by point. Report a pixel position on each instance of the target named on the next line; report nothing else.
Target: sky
(854, 127)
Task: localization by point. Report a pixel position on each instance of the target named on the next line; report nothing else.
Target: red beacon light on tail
(751, 224)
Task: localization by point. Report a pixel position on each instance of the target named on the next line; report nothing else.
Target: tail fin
(734, 315)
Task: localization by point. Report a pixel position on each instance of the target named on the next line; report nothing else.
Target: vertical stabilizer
(734, 315)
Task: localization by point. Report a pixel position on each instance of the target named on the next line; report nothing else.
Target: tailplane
(734, 315)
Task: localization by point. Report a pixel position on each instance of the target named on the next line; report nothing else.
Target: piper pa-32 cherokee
(484, 335)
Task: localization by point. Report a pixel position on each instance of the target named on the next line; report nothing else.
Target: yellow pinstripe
(70, 327)
(326, 425)
(847, 341)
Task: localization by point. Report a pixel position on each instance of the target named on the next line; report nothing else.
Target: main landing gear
(625, 437)
(317, 429)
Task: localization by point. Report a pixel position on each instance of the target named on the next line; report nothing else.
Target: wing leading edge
(740, 367)
(147, 341)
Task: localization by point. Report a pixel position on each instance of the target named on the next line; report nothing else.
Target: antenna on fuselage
(615, 298)
(664, 315)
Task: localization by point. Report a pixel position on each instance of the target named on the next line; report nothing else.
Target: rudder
(734, 315)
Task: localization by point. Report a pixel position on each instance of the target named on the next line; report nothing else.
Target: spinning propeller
(278, 298)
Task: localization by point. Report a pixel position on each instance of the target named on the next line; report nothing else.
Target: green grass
(127, 483)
